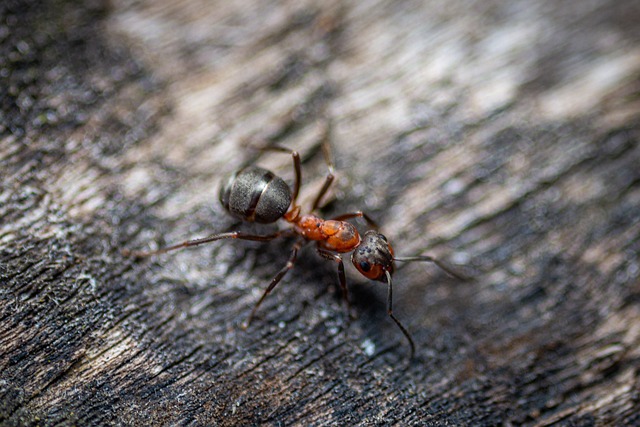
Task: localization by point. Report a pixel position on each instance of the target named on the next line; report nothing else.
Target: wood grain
(501, 136)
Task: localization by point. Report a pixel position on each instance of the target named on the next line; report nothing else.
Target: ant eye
(365, 266)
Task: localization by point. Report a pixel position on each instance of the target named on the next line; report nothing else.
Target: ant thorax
(332, 235)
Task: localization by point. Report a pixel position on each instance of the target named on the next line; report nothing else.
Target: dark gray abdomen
(255, 194)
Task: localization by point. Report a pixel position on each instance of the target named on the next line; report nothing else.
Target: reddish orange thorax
(337, 236)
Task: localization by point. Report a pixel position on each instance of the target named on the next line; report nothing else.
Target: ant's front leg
(342, 278)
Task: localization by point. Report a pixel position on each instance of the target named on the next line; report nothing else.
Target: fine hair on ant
(255, 194)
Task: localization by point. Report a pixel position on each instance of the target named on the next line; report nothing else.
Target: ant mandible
(255, 194)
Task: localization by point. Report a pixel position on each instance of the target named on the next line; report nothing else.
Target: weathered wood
(499, 135)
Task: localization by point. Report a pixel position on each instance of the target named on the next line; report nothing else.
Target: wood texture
(499, 135)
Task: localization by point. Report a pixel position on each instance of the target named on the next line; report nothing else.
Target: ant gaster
(257, 195)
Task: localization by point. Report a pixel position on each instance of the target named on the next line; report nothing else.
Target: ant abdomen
(255, 194)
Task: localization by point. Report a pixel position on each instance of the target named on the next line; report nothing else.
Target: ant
(255, 194)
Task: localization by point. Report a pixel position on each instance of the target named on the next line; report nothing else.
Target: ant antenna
(442, 265)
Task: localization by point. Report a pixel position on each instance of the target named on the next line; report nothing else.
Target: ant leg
(275, 281)
(296, 167)
(328, 158)
(358, 214)
(442, 265)
(341, 276)
(196, 242)
(390, 313)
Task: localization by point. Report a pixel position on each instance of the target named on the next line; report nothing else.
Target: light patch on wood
(495, 73)
(98, 362)
(31, 222)
(76, 190)
(135, 181)
(495, 201)
(586, 91)
(582, 188)
(605, 253)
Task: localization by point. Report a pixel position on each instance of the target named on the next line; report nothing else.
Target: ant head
(373, 256)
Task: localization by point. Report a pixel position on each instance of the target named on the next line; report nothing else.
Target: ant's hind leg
(296, 167)
(328, 158)
(341, 277)
(288, 266)
(196, 242)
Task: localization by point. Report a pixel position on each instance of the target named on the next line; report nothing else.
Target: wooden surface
(499, 135)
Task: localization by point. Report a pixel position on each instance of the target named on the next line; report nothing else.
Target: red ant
(257, 195)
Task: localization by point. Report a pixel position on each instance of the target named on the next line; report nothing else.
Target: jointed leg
(296, 167)
(358, 214)
(341, 276)
(390, 312)
(328, 158)
(196, 242)
(275, 280)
